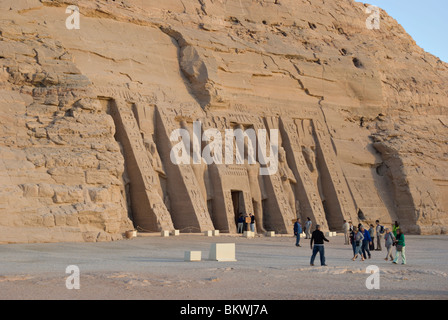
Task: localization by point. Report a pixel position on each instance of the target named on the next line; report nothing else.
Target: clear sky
(425, 20)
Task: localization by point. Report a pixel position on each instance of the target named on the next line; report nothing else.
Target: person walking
(389, 243)
(346, 229)
(379, 235)
(297, 231)
(352, 239)
(372, 237)
(240, 223)
(308, 225)
(365, 242)
(318, 238)
(400, 246)
(252, 222)
(358, 238)
(395, 227)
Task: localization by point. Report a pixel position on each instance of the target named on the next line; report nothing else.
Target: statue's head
(281, 154)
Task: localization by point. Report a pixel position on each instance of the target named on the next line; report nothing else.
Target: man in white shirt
(379, 235)
(346, 229)
(308, 226)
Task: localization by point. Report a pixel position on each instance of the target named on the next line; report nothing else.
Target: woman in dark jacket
(358, 240)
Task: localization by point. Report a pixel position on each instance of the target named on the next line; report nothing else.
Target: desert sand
(152, 267)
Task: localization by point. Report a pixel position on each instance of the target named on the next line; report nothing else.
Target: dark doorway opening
(238, 204)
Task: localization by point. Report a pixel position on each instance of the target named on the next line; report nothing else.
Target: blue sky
(425, 20)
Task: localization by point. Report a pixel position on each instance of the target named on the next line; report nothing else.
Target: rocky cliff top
(373, 96)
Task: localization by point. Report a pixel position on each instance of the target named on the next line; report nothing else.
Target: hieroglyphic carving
(232, 178)
(337, 177)
(286, 212)
(309, 199)
(229, 210)
(256, 185)
(248, 202)
(187, 175)
(123, 114)
(287, 177)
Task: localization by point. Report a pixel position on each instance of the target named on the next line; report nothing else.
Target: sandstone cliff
(86, 116)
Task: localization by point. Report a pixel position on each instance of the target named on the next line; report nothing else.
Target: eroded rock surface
(86, 117)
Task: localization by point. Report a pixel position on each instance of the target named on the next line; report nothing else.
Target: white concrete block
(328, 234)
(215, 233)
(193, 256)
(270, 234)
(334, 234)
(165, 233)
(208, 233)
(175, 232)
(222, 252)
(248, 234)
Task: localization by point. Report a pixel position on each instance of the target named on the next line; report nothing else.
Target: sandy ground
(267, 268)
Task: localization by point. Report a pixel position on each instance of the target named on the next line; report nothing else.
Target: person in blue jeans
(318, 238)
(297, 231)
(252, 222)
(358, 238)
(365, 243)
(240, 223)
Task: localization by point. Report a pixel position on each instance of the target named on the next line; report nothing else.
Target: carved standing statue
(200, 170)
(154, 157)
(287, 177)
(309, 152)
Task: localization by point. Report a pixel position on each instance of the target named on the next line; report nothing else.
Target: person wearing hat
(318, 238)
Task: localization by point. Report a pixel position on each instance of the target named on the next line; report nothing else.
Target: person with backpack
(358, 238)
(400, 246)
(297, 231)
(379, 235)
(389, 243)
